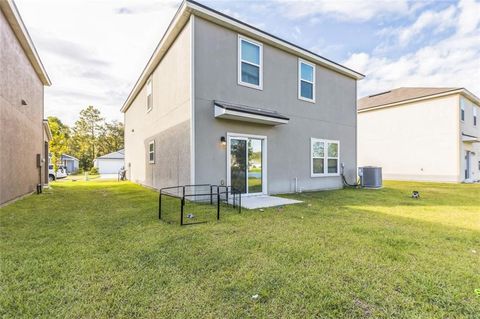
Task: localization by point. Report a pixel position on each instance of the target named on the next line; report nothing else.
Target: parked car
(61, 173)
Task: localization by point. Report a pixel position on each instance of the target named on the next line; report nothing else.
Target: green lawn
(97, 250)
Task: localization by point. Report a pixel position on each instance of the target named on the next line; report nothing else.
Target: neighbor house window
(462, 110)
(151, 152)
(250, 57)
(149, 95)
(306, 81)
(474, 116)
(325, 157)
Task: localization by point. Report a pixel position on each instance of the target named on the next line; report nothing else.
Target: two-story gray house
(222, 102)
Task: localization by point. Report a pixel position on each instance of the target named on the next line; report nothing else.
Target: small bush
(80, 171)
(94, 171)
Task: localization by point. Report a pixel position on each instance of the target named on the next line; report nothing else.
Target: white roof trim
(461, 91)
(181, 18)
(15, 21)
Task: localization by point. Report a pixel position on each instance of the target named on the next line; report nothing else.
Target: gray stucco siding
(172, 156)
(167, 123)
(332, 116)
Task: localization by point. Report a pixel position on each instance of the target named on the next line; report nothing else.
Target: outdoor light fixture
(24, 102)
(223, 140)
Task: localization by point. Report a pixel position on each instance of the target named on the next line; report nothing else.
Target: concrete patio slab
(264, 201)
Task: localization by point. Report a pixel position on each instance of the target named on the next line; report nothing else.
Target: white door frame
(264, 160)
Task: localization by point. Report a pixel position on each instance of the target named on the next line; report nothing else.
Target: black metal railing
(197, 204)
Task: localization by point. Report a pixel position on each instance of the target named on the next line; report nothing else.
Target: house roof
(409, 94)
(69, 157)
(120, 154)
(15, 21)
(189, 7)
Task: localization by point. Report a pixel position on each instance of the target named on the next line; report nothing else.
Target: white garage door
(109, 166)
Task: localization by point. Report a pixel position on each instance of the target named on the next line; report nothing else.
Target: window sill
(251, 86)
(306, 100)
(324, 175)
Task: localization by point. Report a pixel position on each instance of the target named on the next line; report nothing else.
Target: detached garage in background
(110, 163)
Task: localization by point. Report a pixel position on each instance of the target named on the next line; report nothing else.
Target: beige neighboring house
(24, 134)
(421, 134)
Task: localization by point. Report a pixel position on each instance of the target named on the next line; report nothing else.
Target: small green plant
(80, 171)
(94, 171)
(477, 291)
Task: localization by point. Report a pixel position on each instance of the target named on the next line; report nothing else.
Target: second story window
(306, 81)
(474, 116)
(149, 95)
(462, 110)
(250, 57)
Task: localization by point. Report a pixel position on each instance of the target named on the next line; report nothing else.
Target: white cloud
(94, 51)
(440, 21)
(469, 16)
(356, 10)
(451, 62)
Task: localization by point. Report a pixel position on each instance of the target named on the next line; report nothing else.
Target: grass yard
(96, 250)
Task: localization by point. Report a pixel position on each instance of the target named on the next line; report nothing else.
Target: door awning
(244, 113)
(470, 138)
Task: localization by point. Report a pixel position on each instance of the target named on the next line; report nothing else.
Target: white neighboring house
(421, 134)
(110, 163)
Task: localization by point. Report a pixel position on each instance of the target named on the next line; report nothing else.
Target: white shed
(110, 163)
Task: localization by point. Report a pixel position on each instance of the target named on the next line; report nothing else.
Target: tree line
(90, 137)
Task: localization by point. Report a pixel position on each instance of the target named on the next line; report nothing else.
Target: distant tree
(85, 136)
(59, 144)
(111, 137)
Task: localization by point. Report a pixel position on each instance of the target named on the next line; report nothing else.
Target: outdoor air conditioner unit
(370, 176)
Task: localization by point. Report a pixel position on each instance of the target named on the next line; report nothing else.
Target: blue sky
(95, 50)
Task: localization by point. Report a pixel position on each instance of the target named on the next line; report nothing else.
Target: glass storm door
(246, 164)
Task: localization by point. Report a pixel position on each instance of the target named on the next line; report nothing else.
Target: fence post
(218, 205)
(182, 203)
(239, 202)
(211, 195)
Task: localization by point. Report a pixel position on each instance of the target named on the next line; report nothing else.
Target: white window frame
(149, 87)
(151, 152)
(325, 158)
(300, 97)
(239, 63)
